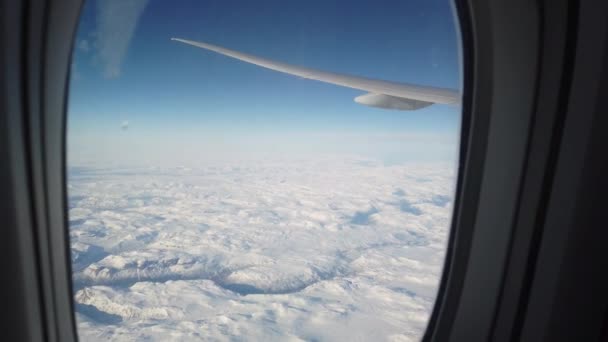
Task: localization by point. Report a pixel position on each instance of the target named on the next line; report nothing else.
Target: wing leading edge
(383, 94)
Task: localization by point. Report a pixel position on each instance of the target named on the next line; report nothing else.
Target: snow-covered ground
(315, 250)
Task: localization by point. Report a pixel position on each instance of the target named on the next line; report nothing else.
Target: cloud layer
(324, 249)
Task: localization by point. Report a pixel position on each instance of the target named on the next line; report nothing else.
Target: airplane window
(261, 170)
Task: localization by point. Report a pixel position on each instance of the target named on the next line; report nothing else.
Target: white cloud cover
(116, 22)
(319, 249)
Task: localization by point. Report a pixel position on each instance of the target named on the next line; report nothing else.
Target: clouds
(116, 22)
(265, 250)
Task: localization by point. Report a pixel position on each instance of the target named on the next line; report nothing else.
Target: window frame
(37, 38)
(494, 143)
(524, 129)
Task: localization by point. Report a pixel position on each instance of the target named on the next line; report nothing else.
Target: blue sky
(180, 98)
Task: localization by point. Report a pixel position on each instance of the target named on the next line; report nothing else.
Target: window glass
(215, 199)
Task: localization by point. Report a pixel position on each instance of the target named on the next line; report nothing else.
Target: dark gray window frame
(534, 125)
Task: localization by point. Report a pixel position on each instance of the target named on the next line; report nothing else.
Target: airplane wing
(382, 94)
